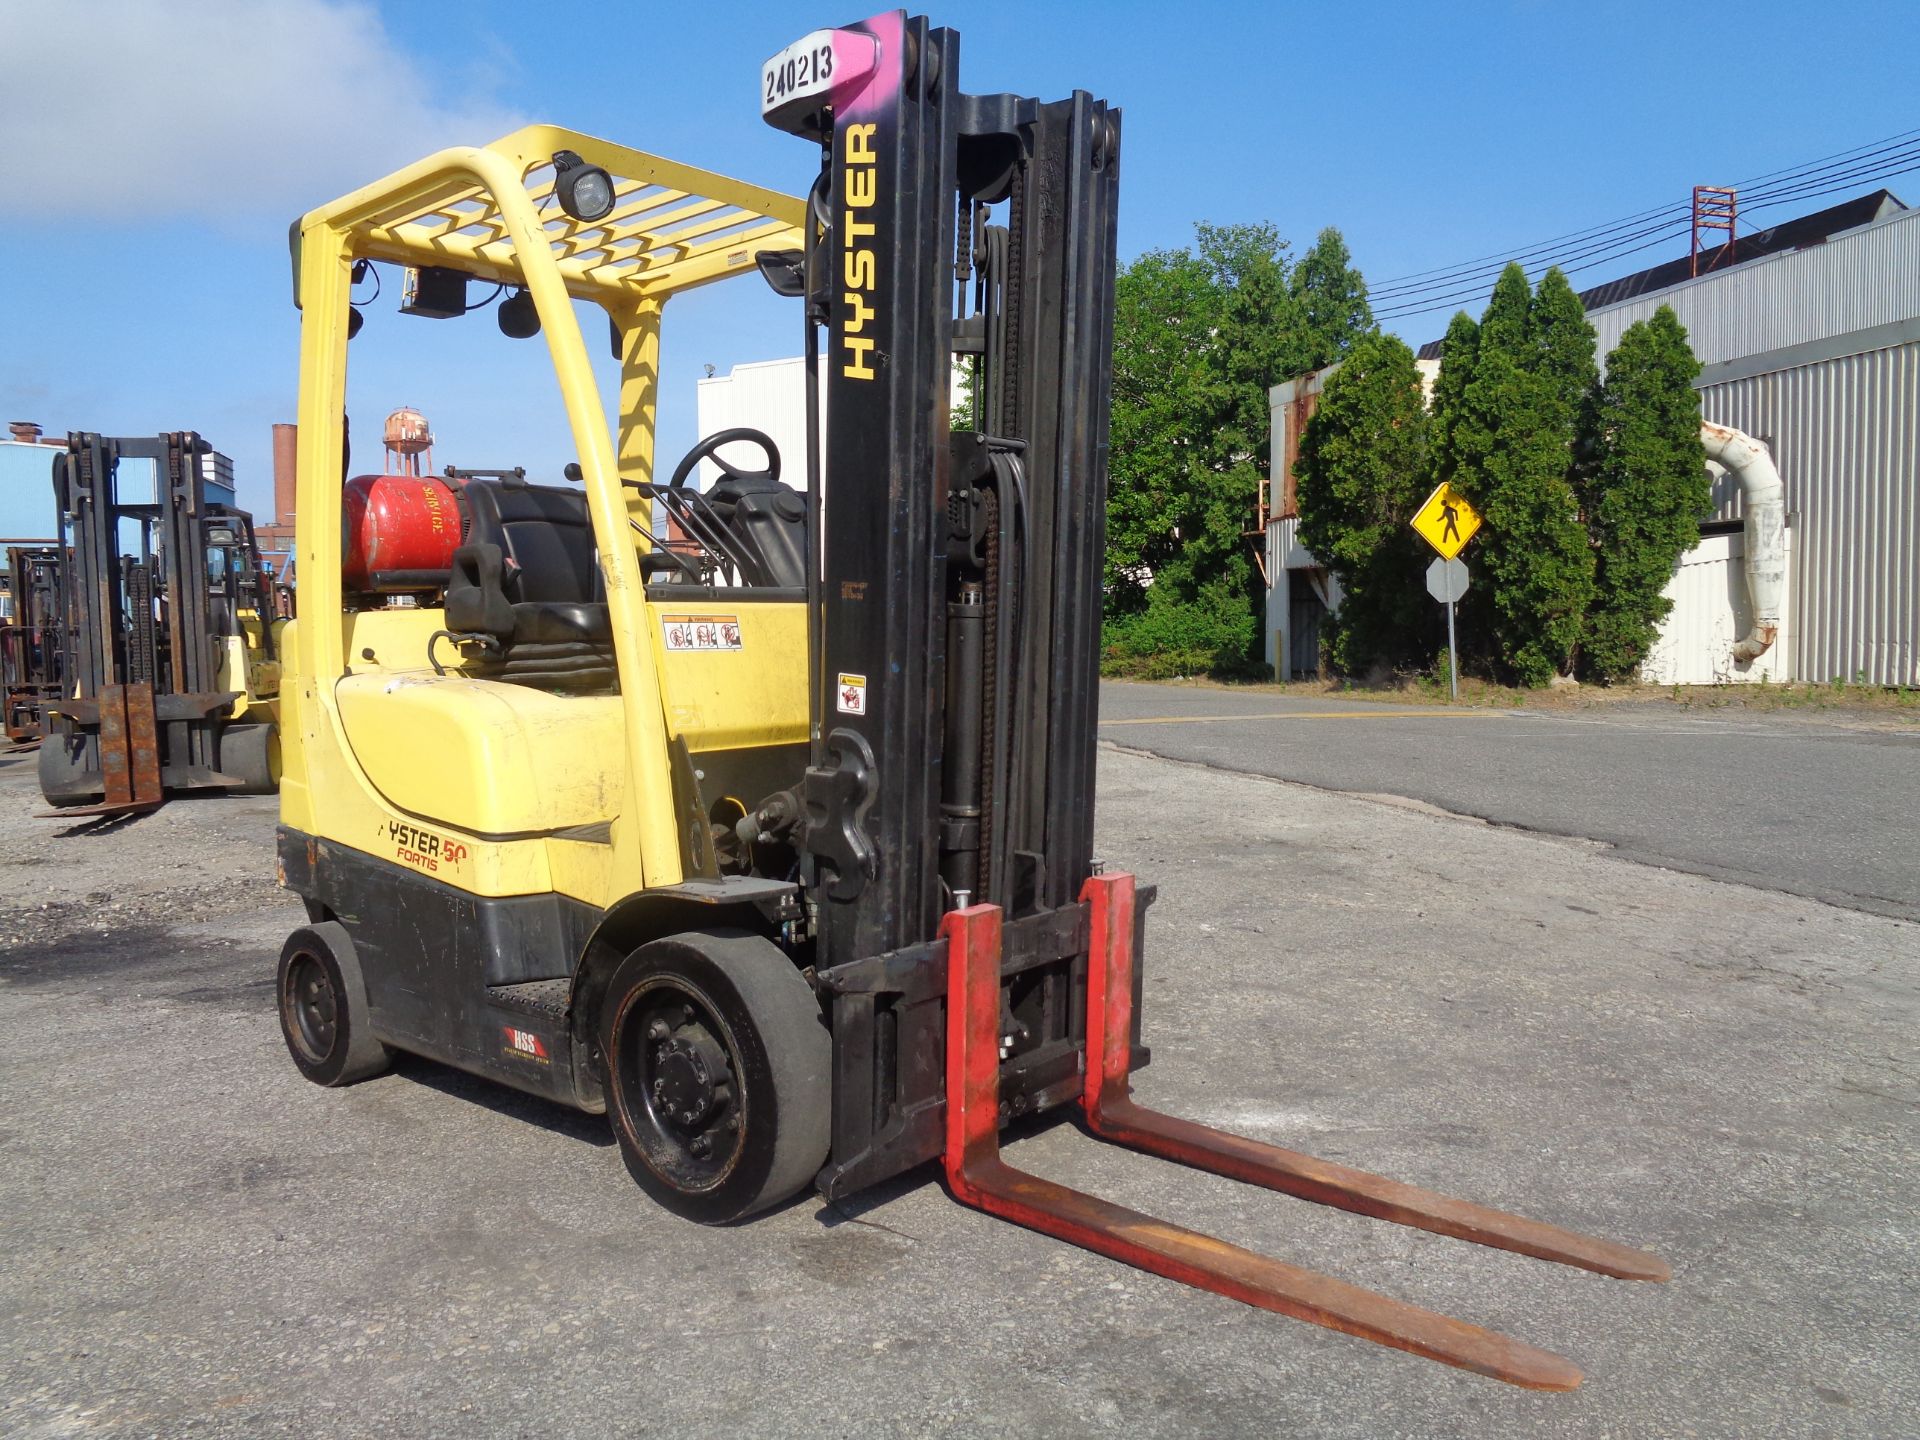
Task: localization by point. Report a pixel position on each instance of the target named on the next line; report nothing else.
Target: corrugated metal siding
(1710, 612)
(1855, 282)
(767, 395)
(1845, 435)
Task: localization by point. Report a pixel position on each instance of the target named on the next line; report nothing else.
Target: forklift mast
(977, 965)
(144, 621)
(958, 599)
(955, 600)
(30, 640)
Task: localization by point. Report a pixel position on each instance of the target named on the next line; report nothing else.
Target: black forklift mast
(958, 594)
(30, 640)
(141, 627)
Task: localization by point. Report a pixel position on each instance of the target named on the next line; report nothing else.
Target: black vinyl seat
(529, 577)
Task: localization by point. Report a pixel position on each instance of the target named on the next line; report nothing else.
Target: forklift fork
(981, 1179)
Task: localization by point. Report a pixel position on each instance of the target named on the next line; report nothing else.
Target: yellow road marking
(1312, 715)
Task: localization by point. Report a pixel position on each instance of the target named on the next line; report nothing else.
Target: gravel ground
(200, 1243)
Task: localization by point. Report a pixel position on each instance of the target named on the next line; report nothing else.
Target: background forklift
(31, 630)
(774, 845)
(170, 676)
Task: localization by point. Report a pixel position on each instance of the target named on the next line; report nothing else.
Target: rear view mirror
(784, 270)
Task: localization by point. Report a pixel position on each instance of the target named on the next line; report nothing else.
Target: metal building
(1809, 340)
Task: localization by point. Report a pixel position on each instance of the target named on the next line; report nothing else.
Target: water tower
(408, 441)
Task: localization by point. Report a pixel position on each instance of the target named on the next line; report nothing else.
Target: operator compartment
(484, 691)
(498, 714)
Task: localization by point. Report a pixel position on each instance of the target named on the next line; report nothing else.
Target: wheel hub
(316, 1009)
(691, 1078)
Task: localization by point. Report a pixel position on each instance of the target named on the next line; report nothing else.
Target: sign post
(1447, 582)
(1447, 522)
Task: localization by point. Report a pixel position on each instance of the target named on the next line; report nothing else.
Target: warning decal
(701, 632)
(852, 699)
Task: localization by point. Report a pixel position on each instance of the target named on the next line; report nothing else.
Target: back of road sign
(1447, 580)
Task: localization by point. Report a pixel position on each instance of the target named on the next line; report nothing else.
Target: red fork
(980, 1178)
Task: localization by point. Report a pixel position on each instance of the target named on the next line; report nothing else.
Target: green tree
(1512, 441)
(1457, 354)
(1647, 489)
(1166, 309)
(1562, 343)
(1199, 336)
(1361, 476)
(1330, 309)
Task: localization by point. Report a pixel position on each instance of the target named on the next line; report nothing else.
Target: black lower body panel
(470, 980)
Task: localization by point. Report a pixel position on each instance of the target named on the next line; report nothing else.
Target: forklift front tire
(718, 1073)
(323, 1008)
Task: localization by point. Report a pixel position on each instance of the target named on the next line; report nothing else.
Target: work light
(518, 318)
(585, 191)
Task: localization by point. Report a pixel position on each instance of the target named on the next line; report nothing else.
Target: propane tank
(395, 524)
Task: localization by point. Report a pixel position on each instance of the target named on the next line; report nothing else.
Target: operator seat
(528, 576)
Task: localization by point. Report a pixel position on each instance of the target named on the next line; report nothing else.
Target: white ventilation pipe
(1763, 505)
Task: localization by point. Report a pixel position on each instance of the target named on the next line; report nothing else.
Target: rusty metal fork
(980, 1178)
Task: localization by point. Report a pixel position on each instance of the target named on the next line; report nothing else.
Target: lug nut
(701, 1146)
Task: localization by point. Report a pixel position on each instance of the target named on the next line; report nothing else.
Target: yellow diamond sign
(1446, 522)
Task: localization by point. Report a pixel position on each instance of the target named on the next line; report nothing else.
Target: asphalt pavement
(200, 1243)
(1780, 801)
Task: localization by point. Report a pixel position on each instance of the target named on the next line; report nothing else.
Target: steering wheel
(707, 448)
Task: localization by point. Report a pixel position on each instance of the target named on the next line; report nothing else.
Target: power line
(1805, 183)
(1449, 275)
(1810, 181)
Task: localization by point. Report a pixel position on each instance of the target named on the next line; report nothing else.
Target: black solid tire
(65, 779)
(778, 1050)
(344, 1048)
(251, 755)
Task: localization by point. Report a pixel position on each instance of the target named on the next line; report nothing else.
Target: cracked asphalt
(199, 1243)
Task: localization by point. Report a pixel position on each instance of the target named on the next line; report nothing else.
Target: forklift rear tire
(719, 1073)
(251, 755)
(323, 1008)
(66, 778)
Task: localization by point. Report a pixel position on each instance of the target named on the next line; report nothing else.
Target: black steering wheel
(707, 448)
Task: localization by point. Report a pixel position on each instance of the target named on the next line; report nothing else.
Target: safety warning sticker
(852, 699)
(702, 632)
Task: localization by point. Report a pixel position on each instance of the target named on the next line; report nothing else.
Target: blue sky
(142, 227)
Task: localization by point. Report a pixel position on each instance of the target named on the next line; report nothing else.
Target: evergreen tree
(1457, 354)
(1513, 445)
(1563, 343)
(1648, 489)
(1330, 309)
(1362, 467)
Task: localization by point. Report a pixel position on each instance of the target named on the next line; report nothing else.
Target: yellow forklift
(759, 816)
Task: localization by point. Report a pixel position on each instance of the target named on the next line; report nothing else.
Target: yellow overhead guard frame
(491, 212)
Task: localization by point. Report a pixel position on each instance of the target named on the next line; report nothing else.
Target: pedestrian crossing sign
(1446, 521)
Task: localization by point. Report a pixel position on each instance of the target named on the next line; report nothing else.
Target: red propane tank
(397, 526)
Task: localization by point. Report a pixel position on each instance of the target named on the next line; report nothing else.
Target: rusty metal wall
(1845, 435)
